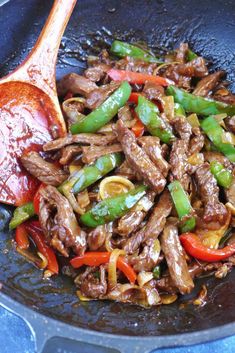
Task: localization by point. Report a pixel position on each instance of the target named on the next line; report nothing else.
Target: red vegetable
(35, 231)
(99, 258)
(138, 128)
(137, 78)
(194, 247)
(134, 97)
(21, 237)
(36, 199)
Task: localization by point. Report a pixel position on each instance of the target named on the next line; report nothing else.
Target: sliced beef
(211, 156)
(225, 96)
(76, 84)
(153, 91)
(230, 123)
(124, 113)
(138, 159)
(46, 172)
(97, 236)
(94, 287)
(175, 259)
(97, 72)
(132, 220)
(181, 53)
(208, 84)
(68, 153)
(230, 193)
(151, 146)
(96, 97)
(178, 163)
(196, 142)
(126, 171)
(91, 153)
(148, 258)
(194, 68)
(59, 222)
(154, 225)
(214, 210)
(182, 127)
(86, 138)
(132, 64)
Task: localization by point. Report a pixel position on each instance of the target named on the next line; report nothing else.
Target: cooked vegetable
(136, 77)
(36, 199)
(182, 205)
(157, 272)
(112, 208)
(104, 113)
(112, 267)
(191, 55)
(134, 97)
(148, 113)
(215, 132)
(113, 186)
(223, 176)
(22, 214)
(123, 49)
(197, 104)
(21, 237)
(194, 247)
(138, 128)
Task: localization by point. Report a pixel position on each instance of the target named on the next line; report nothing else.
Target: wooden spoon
(30, 113)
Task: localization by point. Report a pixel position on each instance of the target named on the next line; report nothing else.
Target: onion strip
(112, 267)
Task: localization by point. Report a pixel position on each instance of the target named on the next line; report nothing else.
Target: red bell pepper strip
(35, 231)
(36, 199)
(194, 247)
(21, 237)
(137, 77)
(138, 128)
(134, 97)
(93, 258)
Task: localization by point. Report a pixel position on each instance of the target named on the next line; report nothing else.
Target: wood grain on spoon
(29, 107)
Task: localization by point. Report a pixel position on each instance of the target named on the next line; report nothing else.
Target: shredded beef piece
(225, 96)
(130, 222)
(214, 210)
(176, 262)
(97, 236)
(194, 68)
(151, 146)
(139, 160)
(94, 287)
(182, 127)
(68, 153)
(86, 138)
(230, 123)
(97, 72)
(147, 259)
(132, 64)
(208, 83)
(230, 193)
(154, 225)
(181, 53)
(91, 153)
(178, 162)
(218, 157)
(96, 97)
(126, 171)
(59, 222)
(153, 91)
(46, 172)
(124, 113)
(76, 84)
(196, 142)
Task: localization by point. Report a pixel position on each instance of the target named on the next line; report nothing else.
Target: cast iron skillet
(51, 307)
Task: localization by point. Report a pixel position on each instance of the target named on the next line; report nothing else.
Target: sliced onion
(220, 119)
(112, 267)
(168, 298)
(144, 277)
(230, 207)
(169, 107)
(193, 120)
(48, 274)
(44, 262)
(201, 299)
(228, 137)
(74, 168)
(108, 243)
(196, 159)
(29, 256)
(155, 72)
(70, 109)
(107, 128)
(82, 297)
(113, 186)
(73, 202)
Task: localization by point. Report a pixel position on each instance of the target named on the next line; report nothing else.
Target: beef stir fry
(138, 200)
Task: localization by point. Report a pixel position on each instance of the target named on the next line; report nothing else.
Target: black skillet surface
(209, 27)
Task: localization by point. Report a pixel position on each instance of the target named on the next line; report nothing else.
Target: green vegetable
(104, 113)
(122, 49)
(215, 132)
(148, 113)
(182, 205)
(112, 208)
(191, 55)
(87, 176)
(22, 214)
(199, 105)
(223, 176)
(157, 272)
(179, 110)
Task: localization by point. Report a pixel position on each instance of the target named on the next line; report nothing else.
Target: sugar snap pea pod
(112, 208)
(148, 113)
(223, 176)
(104, 113)
(22, 214)
(197, 104)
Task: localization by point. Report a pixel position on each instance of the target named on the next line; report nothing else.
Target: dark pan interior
(209, 27)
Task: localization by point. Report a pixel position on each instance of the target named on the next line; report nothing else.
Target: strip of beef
(211, 156)
(208, 84)
(91, 153)
(124, 113)
(230, 193)
(76, 84)
(178, 163)
(194, 68)
(138, 159)
(97, 72)
(96, 97)
(86, 138)
(214, 210)
(94, 287)
(182, 127)
(175, 259)
(126, 171)
(230, 123)
(46, 172)
(181, 53)
(225, 96)
(68, 153)
(59, 222)
(132, 64)
(154, 225)
(153, 91)
(151, 146)
(148, 258)
(196, 142)
(131, 221)
(97, 236)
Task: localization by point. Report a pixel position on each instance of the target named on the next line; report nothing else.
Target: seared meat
(96, 97)
(86, 138)
(148, 258)
(94, 287)
(131, 64)
(139, 160)
(76, 84)
(91, 153)
(132, 220)
(181, 53)
(230, 122)
(207, 84)
(216, 156)
(126, 171)
(59, 222)
(97, 236)
(46, 172)
(182, 127)
(196, 143)
(154, 225)
(225, 96)
(214, 210)
(97, 72)
(153, 91)
(194, 68)
(68, 153)
(176, 262)
(178, 162)
(230, 193)
(124, 113)
(151, 146)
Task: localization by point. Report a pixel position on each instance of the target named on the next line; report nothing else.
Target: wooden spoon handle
(39, 67)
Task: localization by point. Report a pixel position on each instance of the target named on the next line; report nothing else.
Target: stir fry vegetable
(22, 214)
(223, 176)
(21, 237)
(136, 77)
